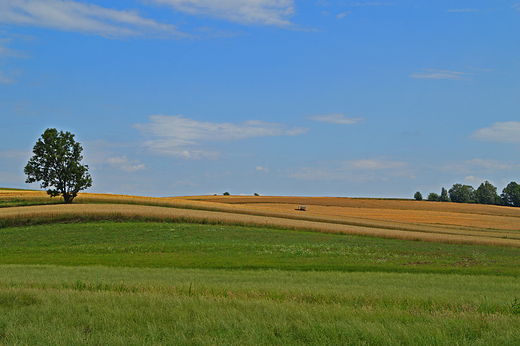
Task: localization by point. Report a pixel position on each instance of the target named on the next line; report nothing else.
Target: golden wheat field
(471, 216)
(402, 219)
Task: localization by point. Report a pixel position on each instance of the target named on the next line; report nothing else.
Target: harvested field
(470, 216)
(118, 211)
(402, 219)
(10, 193)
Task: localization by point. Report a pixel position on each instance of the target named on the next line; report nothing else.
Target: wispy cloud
(8, 79)
(354, 170)
(372, 164)
(442, 74)
(82, 17)
(502, 132)
(335, 118)
(478, 166)
(472, 179)
(172, 134)
(124, 164)
(343, 14)
(486, 163)
(355, 4)
(464, 10)
(7, 52)
(250, 12)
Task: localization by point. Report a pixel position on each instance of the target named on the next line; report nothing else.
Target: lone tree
(56, 163)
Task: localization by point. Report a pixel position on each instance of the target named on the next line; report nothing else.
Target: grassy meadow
(214, 270)
(54, 305)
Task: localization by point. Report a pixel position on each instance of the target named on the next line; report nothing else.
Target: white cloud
(502, 132)
(472, 179)
(187, 131)
(262, 169)
(124, 164)
(81, 17)
(342, 15)
(166, 147)
(334, 118)
(259, 12)
(97, 152)
(442, 74)
(175, 134)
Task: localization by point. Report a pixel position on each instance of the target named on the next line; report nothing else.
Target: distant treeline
(486, 193)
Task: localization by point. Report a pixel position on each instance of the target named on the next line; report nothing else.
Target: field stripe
(453, 229)
(111, 211)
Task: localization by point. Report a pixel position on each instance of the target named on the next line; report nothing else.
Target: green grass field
(53, 305)
(156, 244)
(159, 283)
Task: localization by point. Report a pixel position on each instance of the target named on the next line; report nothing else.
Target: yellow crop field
(11, 193)
(402, 219)
(133, 211)
(470, 216)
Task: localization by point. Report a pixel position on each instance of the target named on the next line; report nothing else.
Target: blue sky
(277, 97)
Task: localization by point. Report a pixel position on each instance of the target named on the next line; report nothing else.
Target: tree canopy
(434, 197)
(56, 163)
(486, 193)
(511, 194)
(462, 193)
(444, 195)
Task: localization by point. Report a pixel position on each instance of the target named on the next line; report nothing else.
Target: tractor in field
(301, 208)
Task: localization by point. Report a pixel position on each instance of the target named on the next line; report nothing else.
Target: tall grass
(186, 307)
(162, 283)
